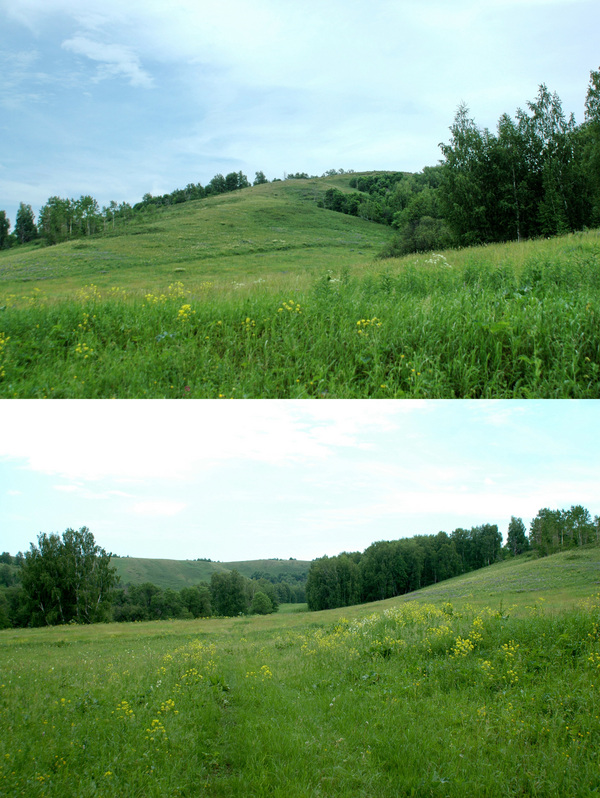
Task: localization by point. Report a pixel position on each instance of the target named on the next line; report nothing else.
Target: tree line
(537, 175)
(391, 568)
(69, 579)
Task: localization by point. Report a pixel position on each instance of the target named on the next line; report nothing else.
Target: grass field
(484, 685)
(261, 294)
(176, 574)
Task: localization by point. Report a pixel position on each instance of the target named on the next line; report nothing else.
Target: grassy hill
(176, 574)
(482, 685)
(559, 580)
(262, 294)
(230, 240)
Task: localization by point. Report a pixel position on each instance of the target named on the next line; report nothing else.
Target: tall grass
(429, 329)
(419, 699)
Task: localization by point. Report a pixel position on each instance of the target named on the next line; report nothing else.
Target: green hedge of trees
(69, 579)
(391, 568)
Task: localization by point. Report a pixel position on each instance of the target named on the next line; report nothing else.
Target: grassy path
(416, 696)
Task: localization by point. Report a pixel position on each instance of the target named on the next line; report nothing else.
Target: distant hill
(176, 574)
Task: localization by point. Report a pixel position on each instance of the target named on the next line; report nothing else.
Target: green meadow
(262, 294)
(486, 685)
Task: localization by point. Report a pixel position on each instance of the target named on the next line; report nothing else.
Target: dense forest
(538, 174)
(390, 568)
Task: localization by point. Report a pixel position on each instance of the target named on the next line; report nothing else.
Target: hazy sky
(116, 98)
(258, 479)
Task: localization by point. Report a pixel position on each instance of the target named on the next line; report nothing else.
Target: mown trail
(417, 699)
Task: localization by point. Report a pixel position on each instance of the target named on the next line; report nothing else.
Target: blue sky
(116, 99)
(259, 479)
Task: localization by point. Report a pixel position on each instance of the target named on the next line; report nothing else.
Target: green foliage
(390, 568)
(532, 178)
(261, 604)
(25, 227)
(197, 600)
(4, 230)
(516, 541)
(259, 179)
(556, 530)
(228, 594)
(67, 579)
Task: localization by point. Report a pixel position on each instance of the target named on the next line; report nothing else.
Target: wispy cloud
(115, 60)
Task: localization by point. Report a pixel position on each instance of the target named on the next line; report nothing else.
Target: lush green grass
(176, 574)
(419, 696)
(297, 312)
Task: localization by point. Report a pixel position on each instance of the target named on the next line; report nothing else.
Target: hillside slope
(177, 574)
(559, 580)
(252, 234)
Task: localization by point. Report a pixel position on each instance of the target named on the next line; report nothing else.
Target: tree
(4, 230)
(88, 213)
(217, 185)
(590, 135)
(68, 579)
(25, 228)
(512, 182)
(261, 604)
(197, 600)
(516, 538)
(546, 531)
(578, 525)
(419, 224)
(553, 135)
(231, 181)
(55, 220)
(260, 179)
(322, 586)
(462, 184)
(228, 594)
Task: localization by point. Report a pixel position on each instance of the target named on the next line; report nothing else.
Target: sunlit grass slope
(261, 294)
(176, 574)
(421, 695)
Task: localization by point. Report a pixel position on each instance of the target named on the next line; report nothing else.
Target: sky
(116, 99)
(262, 479)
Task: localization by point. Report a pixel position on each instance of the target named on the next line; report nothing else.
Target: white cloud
(171, 440)
(114, 59)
